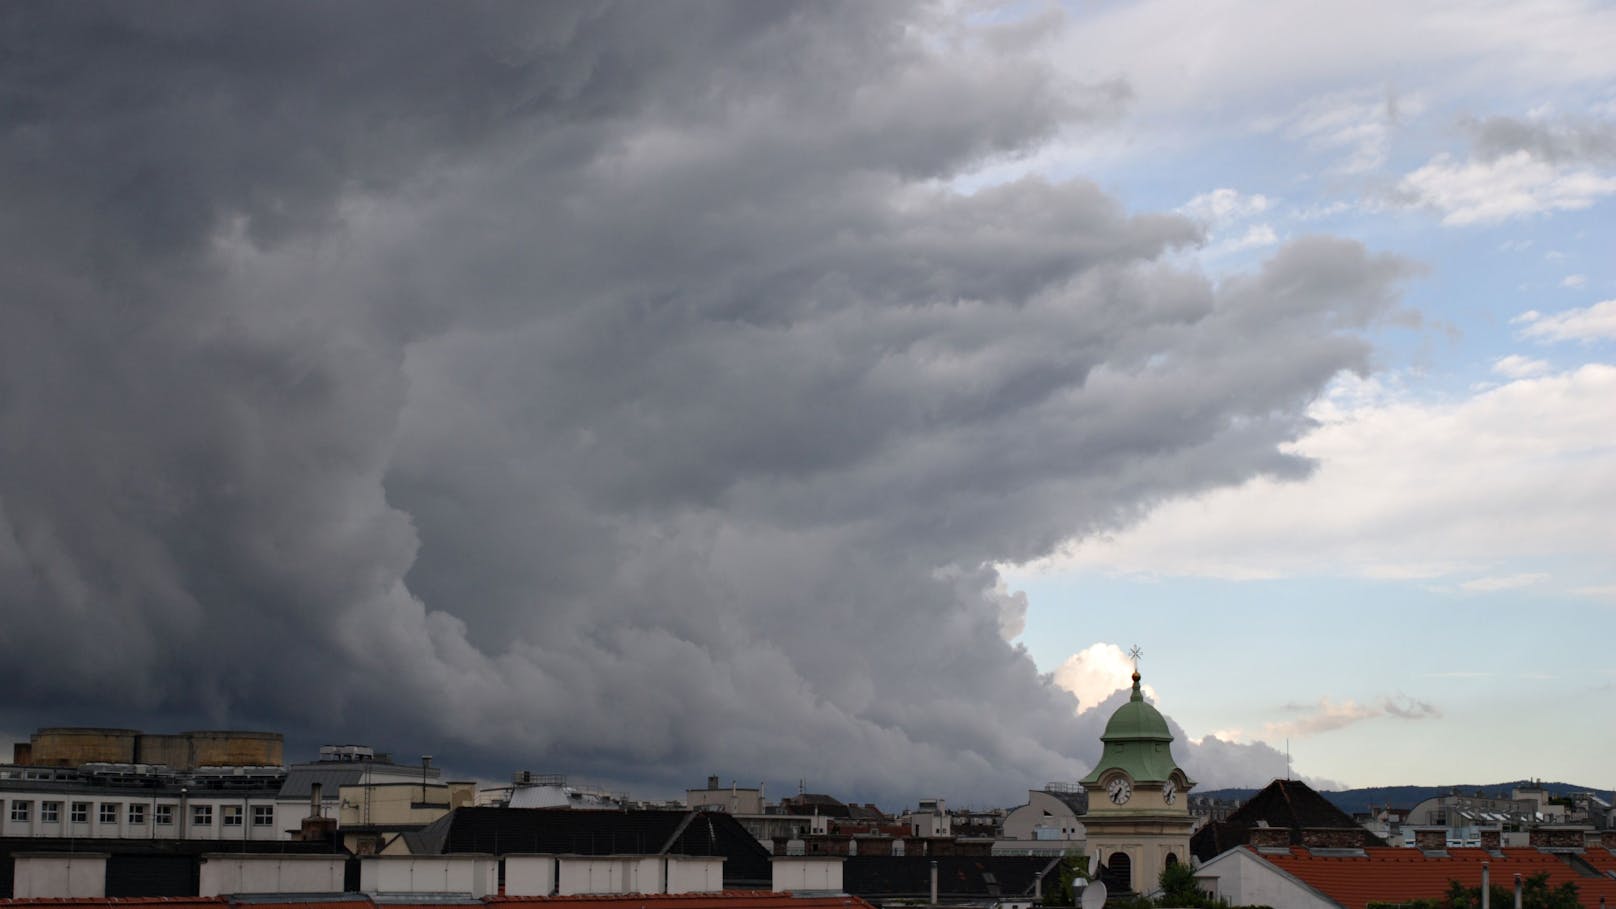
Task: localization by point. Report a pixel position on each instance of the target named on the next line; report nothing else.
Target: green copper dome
(1138, 743)
(1136, 720)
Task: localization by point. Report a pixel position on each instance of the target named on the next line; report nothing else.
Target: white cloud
(1511, 186)
(1506, 582)
(1516, 366)
(1356, 125)
(1524, 472)
(1258, 235)
(1205, 57)
(1224, 204)
(1588, 323)
(1574, 281)
(1328, 715)
(1095, 673)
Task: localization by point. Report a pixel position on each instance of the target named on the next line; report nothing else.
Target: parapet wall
(73, 746)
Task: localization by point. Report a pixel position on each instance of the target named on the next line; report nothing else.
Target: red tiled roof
(1601, 858)
(728, 899)
(320, 904)
(1407, 874)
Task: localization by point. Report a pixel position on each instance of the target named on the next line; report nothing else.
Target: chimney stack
(316, 803)
(1270, 837)
(1430, 839)
(934, 882)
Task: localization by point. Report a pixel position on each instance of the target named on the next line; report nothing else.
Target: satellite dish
(1094, 895)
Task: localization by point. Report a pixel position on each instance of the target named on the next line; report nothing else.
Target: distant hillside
(1355, 801)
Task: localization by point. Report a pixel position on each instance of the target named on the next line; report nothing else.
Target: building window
(263, 815)
(230, 815)
(50, 812)
(202, 815)
(20, 810)
(137, 813)
(108, 813)
(163, 815)
(81, 813)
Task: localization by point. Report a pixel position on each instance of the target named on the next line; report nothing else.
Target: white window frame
(79, 813)
(107, 813)
(230, 815)
(201, 815)
(163, 814)
(136, 813)
(21, 811)
(50, 812)
(263, 816)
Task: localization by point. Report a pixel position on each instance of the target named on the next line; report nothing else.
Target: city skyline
(817, 391)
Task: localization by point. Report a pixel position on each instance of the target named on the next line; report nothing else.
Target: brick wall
(1332, 838)
(1270, 837)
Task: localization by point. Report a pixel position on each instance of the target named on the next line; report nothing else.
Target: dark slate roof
(500, 831)
(1289, 804)
(865, 813)
(300, 780)
(958, 876)
(815, 803)
(1077, 801)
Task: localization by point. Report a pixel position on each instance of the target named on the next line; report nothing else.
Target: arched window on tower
(1117, 875)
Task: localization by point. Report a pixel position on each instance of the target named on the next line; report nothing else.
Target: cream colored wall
(530, 875)
(608, 874)
(1247, 880)
(264, 873)
(393, 803)
(807, 873)
(60, 876)
(474, 874)
(695, 874)
(1021, 823)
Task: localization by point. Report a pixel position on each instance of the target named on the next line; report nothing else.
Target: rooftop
(1399, 875)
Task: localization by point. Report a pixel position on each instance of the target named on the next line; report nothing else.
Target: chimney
(316, 804)
(1517, 891)
(1486, 887)
(712, 782)
(1431, 839)
(934, 882)
(1332, 837)
(1270, 838)
(1557, 837)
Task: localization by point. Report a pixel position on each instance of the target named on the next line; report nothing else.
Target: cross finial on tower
(1135, 654)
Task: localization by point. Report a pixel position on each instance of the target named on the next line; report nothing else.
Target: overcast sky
(816, 392)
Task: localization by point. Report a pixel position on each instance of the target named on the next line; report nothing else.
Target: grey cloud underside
(618, 390)
(1567, 142)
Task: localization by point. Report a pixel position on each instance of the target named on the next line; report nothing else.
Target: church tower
(1138, 820)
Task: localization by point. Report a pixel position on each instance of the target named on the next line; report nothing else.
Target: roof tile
(1390, 874)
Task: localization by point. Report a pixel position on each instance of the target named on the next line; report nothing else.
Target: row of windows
(135, 812)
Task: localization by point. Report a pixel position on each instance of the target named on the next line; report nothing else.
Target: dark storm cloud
(621, 390)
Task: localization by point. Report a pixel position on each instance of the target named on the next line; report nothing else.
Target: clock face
(1169, 792)
(1119, 790)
